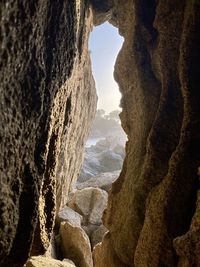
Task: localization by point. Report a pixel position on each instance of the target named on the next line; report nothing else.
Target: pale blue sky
(104, 44)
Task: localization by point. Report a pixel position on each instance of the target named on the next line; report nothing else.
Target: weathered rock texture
(45, 262)
(75, 244)
(47, 102)
(90, 203)
(69, 215)
(154, 200)
(103, 181)
(46, 105)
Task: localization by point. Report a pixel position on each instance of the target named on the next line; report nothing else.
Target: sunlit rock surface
(47, 102)
(46, 262)
(106, 155)
(67, 214)
(98, 234)
(75, 244)
(90, 203)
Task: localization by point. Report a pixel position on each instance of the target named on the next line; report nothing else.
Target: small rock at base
(40, 261)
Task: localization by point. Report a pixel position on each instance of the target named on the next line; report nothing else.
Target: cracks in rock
(27, 219)
(67, 112)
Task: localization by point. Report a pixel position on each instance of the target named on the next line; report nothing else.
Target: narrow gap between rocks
(104, 156)
(105, 147)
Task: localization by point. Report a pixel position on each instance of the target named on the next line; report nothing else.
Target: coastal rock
(47, 103)
(75, 245)
(103, 181)
(89, 229)
(106, 156)
(90, 203)
(98, 234)
(40, 261)
(110, 258)
(52, 249)
(69, 215)
(188, 246)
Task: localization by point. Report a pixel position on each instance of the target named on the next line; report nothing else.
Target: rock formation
(79, 228)
(45, 262)
(75, 244)
(107, 155)
(48, 100)
(154, 200)
(103, 181)
(90, 203)
(47, 103)
(67, 214)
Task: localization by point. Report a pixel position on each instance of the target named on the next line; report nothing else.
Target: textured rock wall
(153, 211)
(47, 102)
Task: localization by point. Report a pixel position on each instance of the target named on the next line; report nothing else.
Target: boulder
(120, 150)
(103, 181)
(69, 215)
(75, 245)
(40, 261)
(90, 203)
(106, 156)
(110, 161)
(68, 261)
(89, 229)
(98, 234)
(47, 104)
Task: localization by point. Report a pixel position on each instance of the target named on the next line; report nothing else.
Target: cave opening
(105, 146)
(103, 159)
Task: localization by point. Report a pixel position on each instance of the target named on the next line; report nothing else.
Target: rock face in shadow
(47, 102)
(151, 209)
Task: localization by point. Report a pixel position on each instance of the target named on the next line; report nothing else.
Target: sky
(104, 44)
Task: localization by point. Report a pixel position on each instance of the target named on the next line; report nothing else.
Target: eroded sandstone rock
(40, 261)
(153, 200)
(47, 102)
(89, 229)
(75, 245)
(90, 203)
(69, 215)
(105, 256)
(102, 181)
(106, 156)
(52, 249)
(98, 234)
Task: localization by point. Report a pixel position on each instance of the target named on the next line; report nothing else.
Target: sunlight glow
(104, 45)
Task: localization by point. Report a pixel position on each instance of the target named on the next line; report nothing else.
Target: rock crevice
(159, 181)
